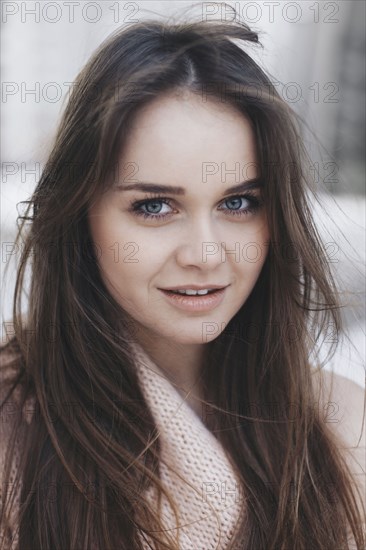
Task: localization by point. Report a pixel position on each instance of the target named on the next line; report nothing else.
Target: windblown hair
(67, 349)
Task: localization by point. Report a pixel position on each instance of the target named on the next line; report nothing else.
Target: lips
(195, 304)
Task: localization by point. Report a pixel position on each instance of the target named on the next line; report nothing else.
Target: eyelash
(256, 203)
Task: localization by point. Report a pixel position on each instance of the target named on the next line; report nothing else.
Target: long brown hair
(67, 348)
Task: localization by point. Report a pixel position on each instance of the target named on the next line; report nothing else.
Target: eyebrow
(254, 183)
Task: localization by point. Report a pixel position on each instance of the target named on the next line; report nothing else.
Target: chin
(197, 337)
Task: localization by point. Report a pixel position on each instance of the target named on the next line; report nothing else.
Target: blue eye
(237, 201)
(151, 208)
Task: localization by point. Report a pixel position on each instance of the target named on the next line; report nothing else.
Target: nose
(200, 245)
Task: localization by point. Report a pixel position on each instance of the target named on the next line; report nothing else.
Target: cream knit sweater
(211, 502)
(208, 499)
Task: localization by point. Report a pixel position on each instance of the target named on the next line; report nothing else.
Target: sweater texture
(195, 468)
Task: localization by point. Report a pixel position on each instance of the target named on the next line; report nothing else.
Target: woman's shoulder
(10, 383)
(10, 449)
(10, 396)
(16, 409)
(342, 408)
(342, 402)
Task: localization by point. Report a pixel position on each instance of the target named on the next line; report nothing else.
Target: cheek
(125, 261)
(254, 247)
(113, 241)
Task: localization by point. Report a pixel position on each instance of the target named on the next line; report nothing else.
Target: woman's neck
(181, 363)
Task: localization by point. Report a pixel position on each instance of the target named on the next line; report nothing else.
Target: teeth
(194, 292)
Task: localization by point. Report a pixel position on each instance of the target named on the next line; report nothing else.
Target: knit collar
(208, 495)
(209, 498)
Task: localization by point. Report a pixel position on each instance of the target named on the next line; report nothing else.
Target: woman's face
(197, 234)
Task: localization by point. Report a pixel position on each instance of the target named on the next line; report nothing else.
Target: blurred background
(314, 51)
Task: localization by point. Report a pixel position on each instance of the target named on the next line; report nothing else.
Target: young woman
(159, 393)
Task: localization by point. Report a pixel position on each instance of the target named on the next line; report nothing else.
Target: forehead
(176, 136)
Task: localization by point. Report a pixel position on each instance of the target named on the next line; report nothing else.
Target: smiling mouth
(195, 303)
(194, 290)
(197, 293)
